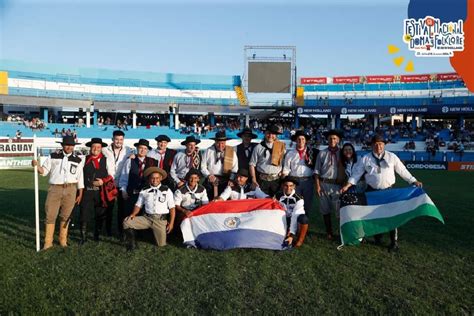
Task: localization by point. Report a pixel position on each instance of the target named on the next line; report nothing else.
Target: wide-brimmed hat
(118, 133)
(151, 170)
(220, 136)
(143, 142)
(336, 132)
(68, 140)
(273, 129)
(96, 140)
(161, 138)
(191, 172)
(190, 139)
(377, 139)
(243, 172)
(298, 134)
(289, 179)
(247, 131)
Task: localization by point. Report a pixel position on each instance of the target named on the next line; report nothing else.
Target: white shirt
(191, 199)
(157, 155)
(293, 207)
(261, 159)
(64, 169)
(117, 161)
(155, 200)
(123, 182)
(381, 177)
(180, 166)
(211, 164)
(294, 166)
(238, 193)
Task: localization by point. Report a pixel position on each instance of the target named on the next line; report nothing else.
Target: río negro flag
(376, 212)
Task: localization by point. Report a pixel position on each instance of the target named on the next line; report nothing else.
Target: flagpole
(37, 226)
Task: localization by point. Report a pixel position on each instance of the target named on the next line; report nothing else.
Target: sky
(332, 38)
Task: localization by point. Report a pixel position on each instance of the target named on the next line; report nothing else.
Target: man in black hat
(218, 163)
(96, 169)
(266, 162)
(329, 178)
(185, 161)
(244, 150)
(117, 153)
(296, 219)
(164, 156)
(299, 164)
(132, 179)
(379, 168)
(66, 185)
(241, 189)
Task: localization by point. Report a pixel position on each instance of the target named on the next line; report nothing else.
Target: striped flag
(252, 223)
(370, 213)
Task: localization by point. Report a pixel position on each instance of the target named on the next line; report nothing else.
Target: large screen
(269, 77)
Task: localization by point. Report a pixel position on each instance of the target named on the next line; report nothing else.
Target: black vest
(91, 173)
(135, 182)
(168, 159)
(60, 155)
(242, 158)
(247, 188)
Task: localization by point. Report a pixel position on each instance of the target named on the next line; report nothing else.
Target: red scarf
(301, 153)
(95, 161)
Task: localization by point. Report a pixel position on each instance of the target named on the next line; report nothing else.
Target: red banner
(415, 78)
(461, 166)
(314, 80)
(380, 79)
(449, 76)
(351, 79)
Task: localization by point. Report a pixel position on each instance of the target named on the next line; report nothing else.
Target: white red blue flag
(252, 223)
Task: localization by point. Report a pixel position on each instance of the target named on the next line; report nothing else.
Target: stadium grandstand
(427, 117)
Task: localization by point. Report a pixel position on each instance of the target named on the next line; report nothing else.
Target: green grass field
(432, 273)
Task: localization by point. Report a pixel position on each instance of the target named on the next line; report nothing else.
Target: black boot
(130, 239)
(97, 229)
(328, 224)
(393, 247)
(83, 232)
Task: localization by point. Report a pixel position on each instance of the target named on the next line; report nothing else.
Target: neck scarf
(95, 160)
(333, 153)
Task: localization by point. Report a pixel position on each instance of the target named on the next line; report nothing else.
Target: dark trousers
(120, 215)
(270, 187)
(91, 204)
(223, 182)
(305, 188)
(393, 233)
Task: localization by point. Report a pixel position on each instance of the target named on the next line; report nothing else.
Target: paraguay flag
(370, 213)
(252, 223)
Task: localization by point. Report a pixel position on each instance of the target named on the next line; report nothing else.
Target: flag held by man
(371, 213)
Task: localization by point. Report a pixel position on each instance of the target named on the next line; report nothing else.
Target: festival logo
(429, 37)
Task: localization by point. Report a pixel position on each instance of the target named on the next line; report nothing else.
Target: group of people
(157, 188)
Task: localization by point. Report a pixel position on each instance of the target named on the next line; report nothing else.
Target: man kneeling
(296, 218)
(158, 201)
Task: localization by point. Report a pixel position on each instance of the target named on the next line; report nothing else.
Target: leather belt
(157, 216)
(268, 177)
(329, 181)
(64, 185)
(302, 178)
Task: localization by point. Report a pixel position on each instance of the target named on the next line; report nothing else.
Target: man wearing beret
(329, 175)
(378, 168)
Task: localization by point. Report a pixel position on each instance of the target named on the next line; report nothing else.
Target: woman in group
(348, 158)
